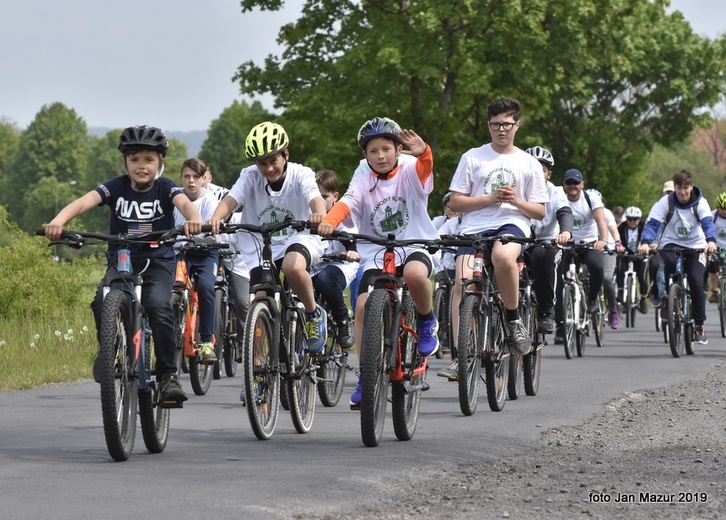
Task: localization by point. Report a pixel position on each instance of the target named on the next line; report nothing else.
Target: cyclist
(203, 263)
(619, 214)
(631, 231)
(389, 194)
(142, 200)
(218, 191)
(655, 261)
(499, 188)
(439, 220)
(556, 225)
(331, 278)
(719, 222)
(272, 189)
(688, 224)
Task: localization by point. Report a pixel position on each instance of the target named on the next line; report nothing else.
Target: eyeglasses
(632, 219)
(572, 182)
(496, 125)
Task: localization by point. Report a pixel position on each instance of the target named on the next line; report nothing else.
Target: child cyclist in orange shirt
(391, 181)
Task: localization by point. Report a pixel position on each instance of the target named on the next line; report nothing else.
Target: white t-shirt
(719, 223)
(349, 269)
(584, 227)
(448, 260)
(396, 205)
(205, 203)
(262, 205)
(482, 171)
(548, 227)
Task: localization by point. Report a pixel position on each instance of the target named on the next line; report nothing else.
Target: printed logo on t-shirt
(274, 215)
(131, 210)
(390, 215)
(683, 227)
(498, 180)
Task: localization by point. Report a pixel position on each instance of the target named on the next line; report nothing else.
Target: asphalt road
(54, 462)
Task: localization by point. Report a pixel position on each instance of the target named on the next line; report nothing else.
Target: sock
(429, 316)
(512, 314)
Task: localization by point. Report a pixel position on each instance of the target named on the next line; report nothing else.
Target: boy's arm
(224, 210)
(419, 149)
(79, 206)
(317, 206)
(337, 214)
(186, 207)
(602, 228)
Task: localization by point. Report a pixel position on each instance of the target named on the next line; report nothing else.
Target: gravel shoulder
(655, 453)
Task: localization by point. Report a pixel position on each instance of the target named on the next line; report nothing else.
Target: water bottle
(661, 282)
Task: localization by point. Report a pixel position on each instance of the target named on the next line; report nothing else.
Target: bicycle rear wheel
(179, 312)
(532, 362)
(440, 309)
(406, 400)
(154, 419)
(119, 385)
(300, 385)
(496, 362)
(200, 375)
(474, 330)
(374, 377)
(675, 319)
(333, 367)
(569, 326)
(261, 379)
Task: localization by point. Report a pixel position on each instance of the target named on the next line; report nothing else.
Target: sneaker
(206, 354)
(317, 330)
(700, 334)
(559, 339)
(450, 371)
(356, 395)
(345, 335)
(614, 319)
(258, 391)
(714, 297)
(518, 338)
(592, 306)
(643, 306)
(428, 340)
(545, 323)
(172, 394)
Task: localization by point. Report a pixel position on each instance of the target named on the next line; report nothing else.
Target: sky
(166, 63)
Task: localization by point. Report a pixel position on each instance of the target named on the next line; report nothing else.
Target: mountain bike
(630, 289)
(443, 291)
(679, 306)
(125, 353)
(274, 347)
(225, 323)
(185, 306)
(389, 356)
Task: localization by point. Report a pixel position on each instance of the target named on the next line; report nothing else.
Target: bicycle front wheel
(179, 312)
(570, 324)
(154, 419)
(532, 362)
(300, 384)
(219, 308)
(440, 309)
(598, 322)
(629, 302)
(261, 378)
(675, 319)
(496, 362)
(229, 339)
(333, 366)
(722, 305)
(374, 377)
(474, 330)
(406, 400)
(119, 385)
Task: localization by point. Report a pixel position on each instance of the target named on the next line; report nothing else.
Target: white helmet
(542, 155)
(633, 212)
(593, 191)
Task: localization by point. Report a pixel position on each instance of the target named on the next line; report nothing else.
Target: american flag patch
(137, 228)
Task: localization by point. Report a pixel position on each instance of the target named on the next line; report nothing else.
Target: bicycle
(679, 306)
(389, 355)
(274, 346)
(631, 298)
(185, 307)
(225, 322)
(443, 285)
(720, 258)
(334, 359)
(125, 353)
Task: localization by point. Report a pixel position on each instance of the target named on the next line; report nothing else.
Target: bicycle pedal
(425, 386)
(355, 407)
(171, 404)
(452, 379)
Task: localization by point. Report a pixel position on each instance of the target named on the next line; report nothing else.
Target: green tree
(9, 144)
(224, 147)
(601, 81)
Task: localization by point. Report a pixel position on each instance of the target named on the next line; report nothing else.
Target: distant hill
(192, 139)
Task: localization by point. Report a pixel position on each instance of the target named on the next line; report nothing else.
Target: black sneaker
(172, 394)
(592, 306)
(700, 334)
(545, 323)
(643, 306)
(345, 334)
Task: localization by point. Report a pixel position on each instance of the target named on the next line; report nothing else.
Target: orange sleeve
(425, 165)
(337, 214)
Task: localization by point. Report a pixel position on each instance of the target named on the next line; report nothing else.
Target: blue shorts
(506, 229)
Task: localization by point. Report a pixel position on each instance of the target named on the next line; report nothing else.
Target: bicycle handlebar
(77, 239)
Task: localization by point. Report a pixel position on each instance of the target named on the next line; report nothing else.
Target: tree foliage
(601, 81)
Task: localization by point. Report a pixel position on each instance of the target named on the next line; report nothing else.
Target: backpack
(672, 209)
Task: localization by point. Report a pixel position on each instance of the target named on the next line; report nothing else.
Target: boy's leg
(205, 267)
(594, 262)
(330, 283)
(417, 275)
(504, 260)
(239, 290)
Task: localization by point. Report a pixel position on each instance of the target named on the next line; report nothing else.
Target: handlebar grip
(40, 231)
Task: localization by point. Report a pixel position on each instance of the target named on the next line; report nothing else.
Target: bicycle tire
(200, 376)
(261, 383)
(515, 381)
(374, 376)
(598, 322)
(440, 312)
(154, 419)
(300, 386)
(179, 313)
(472, 325)
(664, 323)
(722, 305)
(656, 314)
(532, 362)
(628, 303)
(688, 326)
(496, 362)
(119, 385)
(230, 338)
(675, 319)
(405, 405)
(218, 332)
(569, 326)
(333, 368)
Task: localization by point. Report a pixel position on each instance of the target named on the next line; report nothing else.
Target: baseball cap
(573, 174)
(667, 187)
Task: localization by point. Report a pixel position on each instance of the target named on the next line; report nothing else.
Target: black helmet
(378, 127)
(143, 138)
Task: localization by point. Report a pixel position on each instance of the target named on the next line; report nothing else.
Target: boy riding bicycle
(142, 201)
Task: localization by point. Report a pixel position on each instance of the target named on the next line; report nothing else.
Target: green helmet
(264, 140)
(721, 201)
